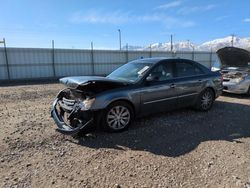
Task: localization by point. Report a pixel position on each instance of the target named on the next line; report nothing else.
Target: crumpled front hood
(234, 57)
(76, 81)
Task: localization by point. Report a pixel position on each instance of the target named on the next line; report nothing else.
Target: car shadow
(176, 133)
(238, 96)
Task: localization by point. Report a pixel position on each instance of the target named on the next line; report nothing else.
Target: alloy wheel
(206, 100)
(118, 117)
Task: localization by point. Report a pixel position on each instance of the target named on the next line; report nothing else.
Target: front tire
(205, 100)
(117, 117)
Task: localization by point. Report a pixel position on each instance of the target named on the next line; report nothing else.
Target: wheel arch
(212, 89)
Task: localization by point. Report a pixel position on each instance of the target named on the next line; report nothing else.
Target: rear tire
(117, 117)
(205, 100)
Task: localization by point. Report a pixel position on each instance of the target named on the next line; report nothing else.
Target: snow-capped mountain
(227, 41)
(189, 46)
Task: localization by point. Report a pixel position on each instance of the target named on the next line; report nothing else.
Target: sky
(76, 23)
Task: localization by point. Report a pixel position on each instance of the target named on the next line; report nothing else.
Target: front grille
(67, 104)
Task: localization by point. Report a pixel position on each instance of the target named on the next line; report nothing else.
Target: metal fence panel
(3, 68)
(2, 57)
(161, 54)
(30, 71)
(204, 58)
(64, 56)
(105, 61)
(29, 56)
(133, 55)
(70, 62)
(184, 55)
(105, 56)
(73, 69)
(29, 63)
(106, 68)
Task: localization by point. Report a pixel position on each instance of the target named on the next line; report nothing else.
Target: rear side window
(184, 69)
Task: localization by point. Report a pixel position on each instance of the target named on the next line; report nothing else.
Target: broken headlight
(239, 79)
(87, 103)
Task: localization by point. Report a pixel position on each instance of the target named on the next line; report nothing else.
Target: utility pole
(120, 39)
(171, 41)
(150, 52)
(189, 44)
(192, 46)
(232, 41)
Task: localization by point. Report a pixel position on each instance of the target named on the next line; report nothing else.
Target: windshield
(130, 72)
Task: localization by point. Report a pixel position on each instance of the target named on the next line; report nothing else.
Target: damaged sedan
(136, 89)
(235, 69)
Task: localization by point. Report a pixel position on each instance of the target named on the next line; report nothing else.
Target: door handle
(172, 85)
(199, 80)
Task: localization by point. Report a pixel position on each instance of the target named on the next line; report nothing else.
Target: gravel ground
(184, 148)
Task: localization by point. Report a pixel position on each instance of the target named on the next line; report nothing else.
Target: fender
(103, 100)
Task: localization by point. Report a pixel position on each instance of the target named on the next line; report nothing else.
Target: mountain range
(189, 46)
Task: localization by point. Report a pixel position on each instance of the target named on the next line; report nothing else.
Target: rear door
(189, 81)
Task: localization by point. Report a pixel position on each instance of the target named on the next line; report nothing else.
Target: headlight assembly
(86, 104)
(237, 80)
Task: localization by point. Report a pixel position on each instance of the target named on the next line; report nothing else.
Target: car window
(130, 72)
(184, 69)
(162, 72)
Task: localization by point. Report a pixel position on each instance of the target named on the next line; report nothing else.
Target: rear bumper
(238, 88)
(62, 126)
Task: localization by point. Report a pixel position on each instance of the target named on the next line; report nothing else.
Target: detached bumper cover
(63, 127)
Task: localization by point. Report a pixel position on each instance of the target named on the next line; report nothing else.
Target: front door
(158, 94)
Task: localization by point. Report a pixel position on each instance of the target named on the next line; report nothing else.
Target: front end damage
(72, 109)
(235, 81)
(71, 114)
(235, 69)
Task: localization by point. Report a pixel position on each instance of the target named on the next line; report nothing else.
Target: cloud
(118, 17)
(246, 20)
(100, 17)
(195, 9)
(169, 5)
(220, 18)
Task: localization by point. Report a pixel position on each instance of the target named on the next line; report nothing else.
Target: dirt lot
(184, 148)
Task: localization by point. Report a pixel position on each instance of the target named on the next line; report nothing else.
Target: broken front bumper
(237, 88)
(62, 126)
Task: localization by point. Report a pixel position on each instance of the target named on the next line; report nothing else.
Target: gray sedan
(136, 89)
